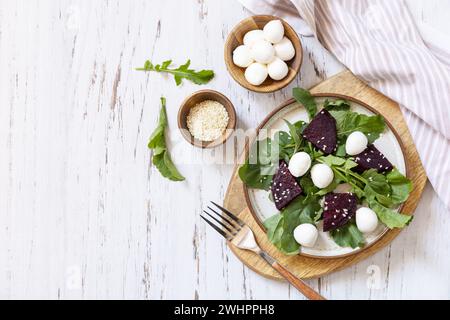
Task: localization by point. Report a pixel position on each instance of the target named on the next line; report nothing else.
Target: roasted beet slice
(322, 133)
(372, 158)
(339, 209)
(284, 187)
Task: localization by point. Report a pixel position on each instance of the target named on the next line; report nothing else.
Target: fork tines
(228, 226)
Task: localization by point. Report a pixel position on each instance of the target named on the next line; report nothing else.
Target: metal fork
(235, 231)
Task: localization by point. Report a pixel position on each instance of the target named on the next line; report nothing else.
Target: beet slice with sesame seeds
(372, 158)
(322, 132)
(285, 187)
(339, 209)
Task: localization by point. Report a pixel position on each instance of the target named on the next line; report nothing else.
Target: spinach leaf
(280, 227)
(305, 98)
(390, 218)
(274, 228)
(161, 158)
(348, 236)
(260, 166)
(180, 73)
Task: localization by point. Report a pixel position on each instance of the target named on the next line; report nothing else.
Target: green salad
(334, 151)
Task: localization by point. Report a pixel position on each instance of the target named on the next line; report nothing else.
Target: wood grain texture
(84, 214)
(304, 267)
(236, 38)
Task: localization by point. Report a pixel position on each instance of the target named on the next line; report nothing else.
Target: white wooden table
(84, 215)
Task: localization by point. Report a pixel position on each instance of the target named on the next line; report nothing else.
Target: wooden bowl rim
(323, 95)
(230, 127)
(277, 85)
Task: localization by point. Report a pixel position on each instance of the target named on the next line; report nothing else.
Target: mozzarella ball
(366, 220)
(356, 143)
(256, 73)
(299, 164)
(274, 31)
(285, 49)
(322, 175)
(263, 51)
(306, 235)
(278, 69)
(251, 37)
(242, 57)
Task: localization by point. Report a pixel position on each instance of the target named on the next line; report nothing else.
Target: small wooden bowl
(191, 102)
(236, 38)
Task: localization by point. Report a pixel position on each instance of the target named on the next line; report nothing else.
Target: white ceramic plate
(263, 208)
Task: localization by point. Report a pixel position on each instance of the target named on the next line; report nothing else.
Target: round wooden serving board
(304, 267)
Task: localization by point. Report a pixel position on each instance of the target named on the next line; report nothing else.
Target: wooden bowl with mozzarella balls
(253, 64)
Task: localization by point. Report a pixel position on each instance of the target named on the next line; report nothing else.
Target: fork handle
(306, 290)
(301, 286)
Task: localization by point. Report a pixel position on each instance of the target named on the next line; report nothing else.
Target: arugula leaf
(305, 98)
(348, 236)
(183, 72)
(161, 158)
(336, 105)
(283, 146)
(348, 122)
(401, 186)
(295, 134)
(390, 218)
(371, 126)
(390, 190)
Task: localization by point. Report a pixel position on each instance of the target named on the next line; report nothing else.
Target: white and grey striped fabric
(379, 42)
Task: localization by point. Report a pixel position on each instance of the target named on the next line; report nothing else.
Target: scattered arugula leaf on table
(161, 157)
(180, 73)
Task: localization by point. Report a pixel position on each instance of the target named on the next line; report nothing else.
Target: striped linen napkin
(380, 43)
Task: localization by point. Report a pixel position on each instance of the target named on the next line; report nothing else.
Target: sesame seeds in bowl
(207, 119)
